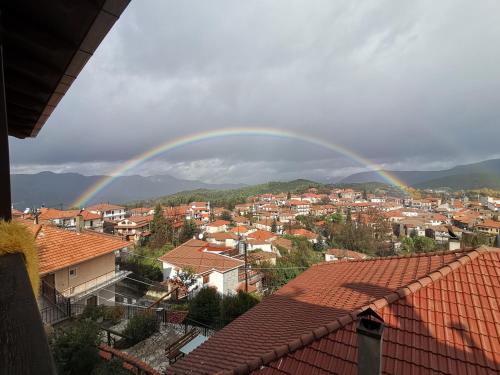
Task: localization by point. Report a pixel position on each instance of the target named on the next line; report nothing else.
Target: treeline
(230, 198)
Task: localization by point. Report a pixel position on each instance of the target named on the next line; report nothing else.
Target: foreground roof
(192, 254)
(441, 313)
(61, 248)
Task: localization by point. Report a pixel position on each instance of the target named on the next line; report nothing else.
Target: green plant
(113, 313)
(75, 350)
(235, 305)
(205, 306)
(94, 312)
(140, 327)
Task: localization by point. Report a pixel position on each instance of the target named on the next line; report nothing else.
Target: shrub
(205, 306)
(75, 350)
(140, 327)
(94, 312)
(114, 313)
(235, 305)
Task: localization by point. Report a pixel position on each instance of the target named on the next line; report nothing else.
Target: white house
(332, 255)
(108, 211)
(217, 226)
(210, 269)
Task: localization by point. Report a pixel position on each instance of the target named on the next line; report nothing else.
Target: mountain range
(485, 174)
(61, 189)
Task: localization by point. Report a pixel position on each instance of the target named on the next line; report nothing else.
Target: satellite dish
(200, 236)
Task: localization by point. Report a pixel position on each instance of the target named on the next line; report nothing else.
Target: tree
(348, 218)
(187, 278)
(205, 306)
(235, 305)
(226, 215)
(274, 226)
(288, 195)
(365, 195)
(188, 230)
(75, 349)
(159, 230)
(424, 244)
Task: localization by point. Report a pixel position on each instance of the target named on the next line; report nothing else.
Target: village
(111, 260)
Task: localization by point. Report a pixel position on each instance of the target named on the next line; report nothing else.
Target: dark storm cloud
(407, 84)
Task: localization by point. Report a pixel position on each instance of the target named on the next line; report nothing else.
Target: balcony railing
(88, 287)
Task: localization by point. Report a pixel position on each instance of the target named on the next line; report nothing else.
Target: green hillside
(464, 181)
(228, 198)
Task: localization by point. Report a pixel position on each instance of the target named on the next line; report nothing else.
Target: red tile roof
(191, 254)
(218, 223)
(60, 248)
(52, 213)
(301, 232)
(441, 313)
(261, 235)
(345, 253)
(488, 223)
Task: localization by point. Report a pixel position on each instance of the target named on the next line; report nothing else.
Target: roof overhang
(45, 47)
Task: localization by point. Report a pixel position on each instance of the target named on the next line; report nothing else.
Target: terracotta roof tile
(192, 254)
(431, 328)
(60, 248)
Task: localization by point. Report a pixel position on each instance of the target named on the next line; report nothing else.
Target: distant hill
(231, 197)
(485, 174)
(61, 189)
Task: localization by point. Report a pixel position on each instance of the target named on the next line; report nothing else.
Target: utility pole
(243, 250)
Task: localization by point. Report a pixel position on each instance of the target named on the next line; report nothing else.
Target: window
(206, 279)
(72, 273)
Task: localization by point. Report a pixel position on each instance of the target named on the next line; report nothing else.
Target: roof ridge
(409, 255)
(318, 333)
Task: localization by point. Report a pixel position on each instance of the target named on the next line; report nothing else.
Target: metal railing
(94, 284)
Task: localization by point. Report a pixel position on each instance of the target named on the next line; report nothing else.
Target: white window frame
(75, 269)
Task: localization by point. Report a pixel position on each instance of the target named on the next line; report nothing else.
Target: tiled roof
(441, 313)
(221, 236)
(87, 215)
(303, 233)
(345, 253)
(52, 213)
(261, 235)
(218, 223)
(104, 207)
(489, 224)
(60, 248)
(191, 254)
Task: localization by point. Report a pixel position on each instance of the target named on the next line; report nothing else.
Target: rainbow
(90, 192)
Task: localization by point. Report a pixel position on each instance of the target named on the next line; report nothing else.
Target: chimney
(370, 330)
(79, 223)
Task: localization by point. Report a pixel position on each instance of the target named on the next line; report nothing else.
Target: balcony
(82, 290)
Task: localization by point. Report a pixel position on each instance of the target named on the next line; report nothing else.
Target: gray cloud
(409, 85)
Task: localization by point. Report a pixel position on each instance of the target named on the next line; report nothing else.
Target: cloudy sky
(409, 85)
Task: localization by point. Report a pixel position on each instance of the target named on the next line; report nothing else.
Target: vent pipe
(370, 330)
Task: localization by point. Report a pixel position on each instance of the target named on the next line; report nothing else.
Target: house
(301, 232)
(142, 211)
(439, 311)
(77, 265)
(209, 268)
(227, 239)
(61, 218)
(262, 235)
(108, 211)
(300, 207)
(281, 243)
(199, 211)
(489, 226)
(90, 220)
(134, 228)
(217, 226)
(332, 255)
